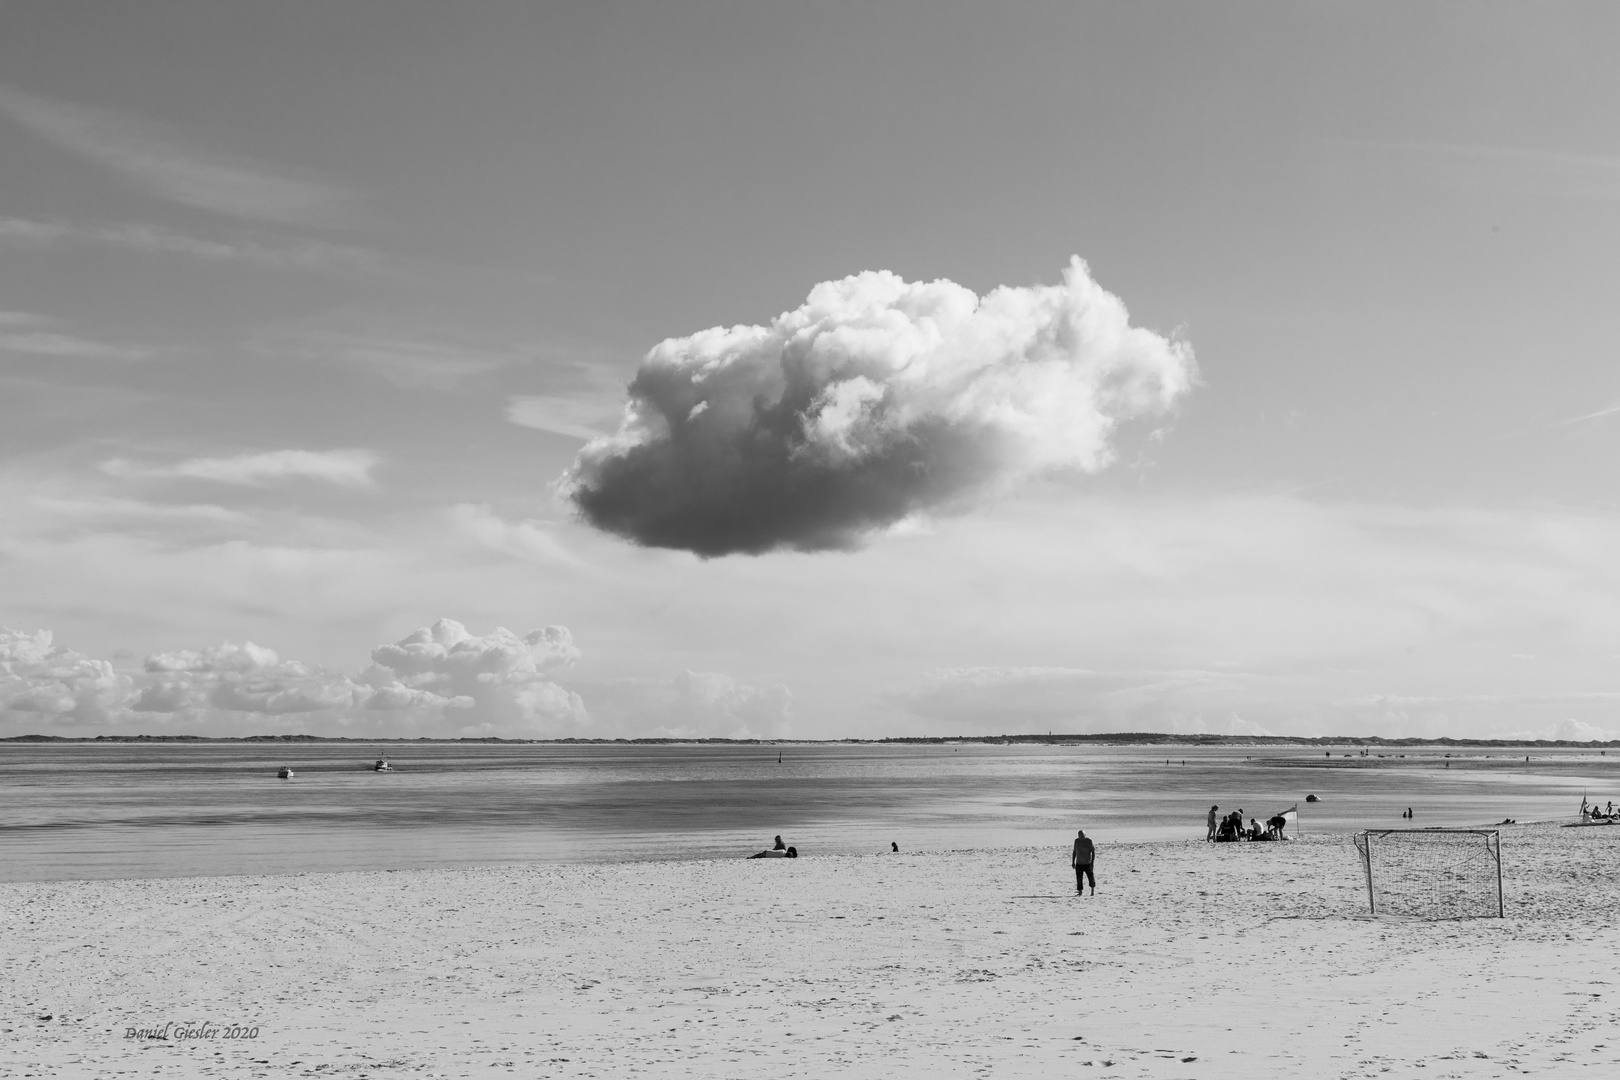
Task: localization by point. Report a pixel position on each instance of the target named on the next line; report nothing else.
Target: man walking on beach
(1085, 854)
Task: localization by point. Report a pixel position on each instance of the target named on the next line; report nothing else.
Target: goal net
(1433, 873)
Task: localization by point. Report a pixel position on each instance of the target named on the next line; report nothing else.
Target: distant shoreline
(1126, 738)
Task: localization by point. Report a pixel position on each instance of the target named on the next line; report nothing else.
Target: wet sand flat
(1191, 961)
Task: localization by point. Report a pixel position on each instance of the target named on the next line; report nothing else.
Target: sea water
(111, 810)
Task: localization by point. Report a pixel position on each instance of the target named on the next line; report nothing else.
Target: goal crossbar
(1432, 873)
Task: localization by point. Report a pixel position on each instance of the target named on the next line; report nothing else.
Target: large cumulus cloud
(874, 401)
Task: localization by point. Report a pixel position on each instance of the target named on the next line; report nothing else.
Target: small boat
(382, 766)
(284, 773)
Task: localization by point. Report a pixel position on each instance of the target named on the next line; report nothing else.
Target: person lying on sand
(774, 853)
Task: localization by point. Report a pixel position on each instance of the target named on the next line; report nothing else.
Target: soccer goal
(1433, 873)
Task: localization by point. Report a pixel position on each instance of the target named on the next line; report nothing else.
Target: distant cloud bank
(876, 401)
(440, 680)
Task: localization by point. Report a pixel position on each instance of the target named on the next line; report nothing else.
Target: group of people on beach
(1592, 813)
(1230, 829)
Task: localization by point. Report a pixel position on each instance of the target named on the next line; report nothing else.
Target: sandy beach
(1191, 961)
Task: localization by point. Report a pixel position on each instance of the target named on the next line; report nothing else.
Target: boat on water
(382, 766)
(284, 773)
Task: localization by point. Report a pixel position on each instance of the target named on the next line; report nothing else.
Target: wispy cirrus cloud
(579, 418)
(1554, 425)
(168, 167)
(346, 468)
(277, 255)
(1607, 410)
(1409, 700)
(530, 541)
(412, 363)
(101, 508)
(41, 335)
(1497, 168)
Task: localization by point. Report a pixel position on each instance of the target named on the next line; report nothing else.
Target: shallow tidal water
(76, 811)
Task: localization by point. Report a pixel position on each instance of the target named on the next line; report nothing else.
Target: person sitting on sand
(1255, 831)
(778, 846)
(895, 846)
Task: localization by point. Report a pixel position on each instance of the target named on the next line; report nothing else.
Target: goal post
(1433, 873)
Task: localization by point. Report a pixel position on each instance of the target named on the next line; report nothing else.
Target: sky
(813, 370)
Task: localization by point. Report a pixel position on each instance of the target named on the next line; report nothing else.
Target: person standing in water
(1083, 859)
